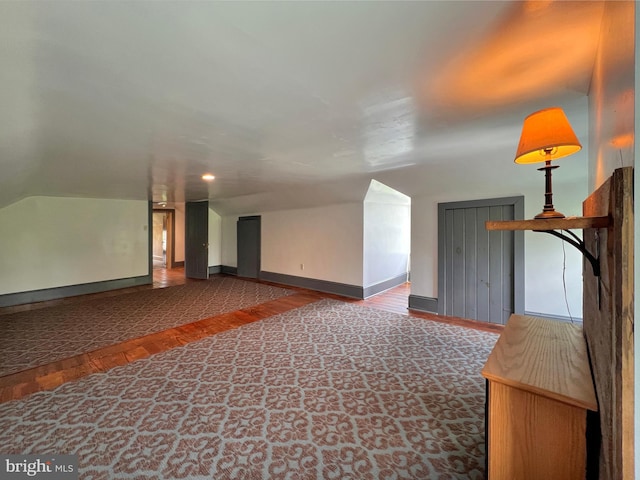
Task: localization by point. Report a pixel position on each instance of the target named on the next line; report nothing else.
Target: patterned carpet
(38, 337)
(327, 391)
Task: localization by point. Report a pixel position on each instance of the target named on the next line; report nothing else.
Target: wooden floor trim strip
(52, 375)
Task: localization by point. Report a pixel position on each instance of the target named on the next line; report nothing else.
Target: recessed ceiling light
(208, 177)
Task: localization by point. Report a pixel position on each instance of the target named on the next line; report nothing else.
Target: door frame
(171, 235)
(518, 245)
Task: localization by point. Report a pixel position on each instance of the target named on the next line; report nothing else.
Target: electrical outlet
(302, 266)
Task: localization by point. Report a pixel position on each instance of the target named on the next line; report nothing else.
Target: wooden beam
(608, 322)
(549, 224)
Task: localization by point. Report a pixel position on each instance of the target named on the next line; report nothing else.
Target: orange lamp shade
(546, 135)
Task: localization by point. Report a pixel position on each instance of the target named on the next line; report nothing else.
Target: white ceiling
(287, 103)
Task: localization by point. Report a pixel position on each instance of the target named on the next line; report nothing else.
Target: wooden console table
(539, 390)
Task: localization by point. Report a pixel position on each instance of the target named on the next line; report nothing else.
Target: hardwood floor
(395, 300)
(168, 277)
(162, 278)
(46, 377)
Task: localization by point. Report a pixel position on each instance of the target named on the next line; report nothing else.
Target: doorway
(480, 272)
(163, 239)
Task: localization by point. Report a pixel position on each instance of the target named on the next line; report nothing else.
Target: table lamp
(546, 136)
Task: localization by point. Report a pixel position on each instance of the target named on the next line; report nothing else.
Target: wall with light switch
(59, 241)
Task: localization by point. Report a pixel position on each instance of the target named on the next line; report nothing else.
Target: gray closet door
(248, 229)
(477, 269)
(196, 240)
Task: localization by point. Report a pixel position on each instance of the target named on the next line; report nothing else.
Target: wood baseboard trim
(215, 269)
(386, 285)
(34, 296)
(342, 289)
(228, 270)
(423, 304)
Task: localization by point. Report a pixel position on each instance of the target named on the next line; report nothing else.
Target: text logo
(51, 467)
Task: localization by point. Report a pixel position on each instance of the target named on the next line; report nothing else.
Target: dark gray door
(249, 246)
(480, 272)
(196, 241)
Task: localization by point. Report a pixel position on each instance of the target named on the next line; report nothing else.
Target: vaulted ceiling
(286, 103)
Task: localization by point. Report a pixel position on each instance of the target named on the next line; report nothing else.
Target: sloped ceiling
(288, 104)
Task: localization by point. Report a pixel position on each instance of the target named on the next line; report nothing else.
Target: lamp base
(546, 214)
(548, 211)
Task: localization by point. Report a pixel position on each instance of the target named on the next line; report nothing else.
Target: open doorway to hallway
(166, 245)
(386, 239)
(163, 252)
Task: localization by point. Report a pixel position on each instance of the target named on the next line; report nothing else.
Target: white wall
(229, 243)
(544, 291)
(54, 241)
(326, 240)
(612, 95)
(387, 234)
(551, 265)
(215, 239)
(613, 128)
